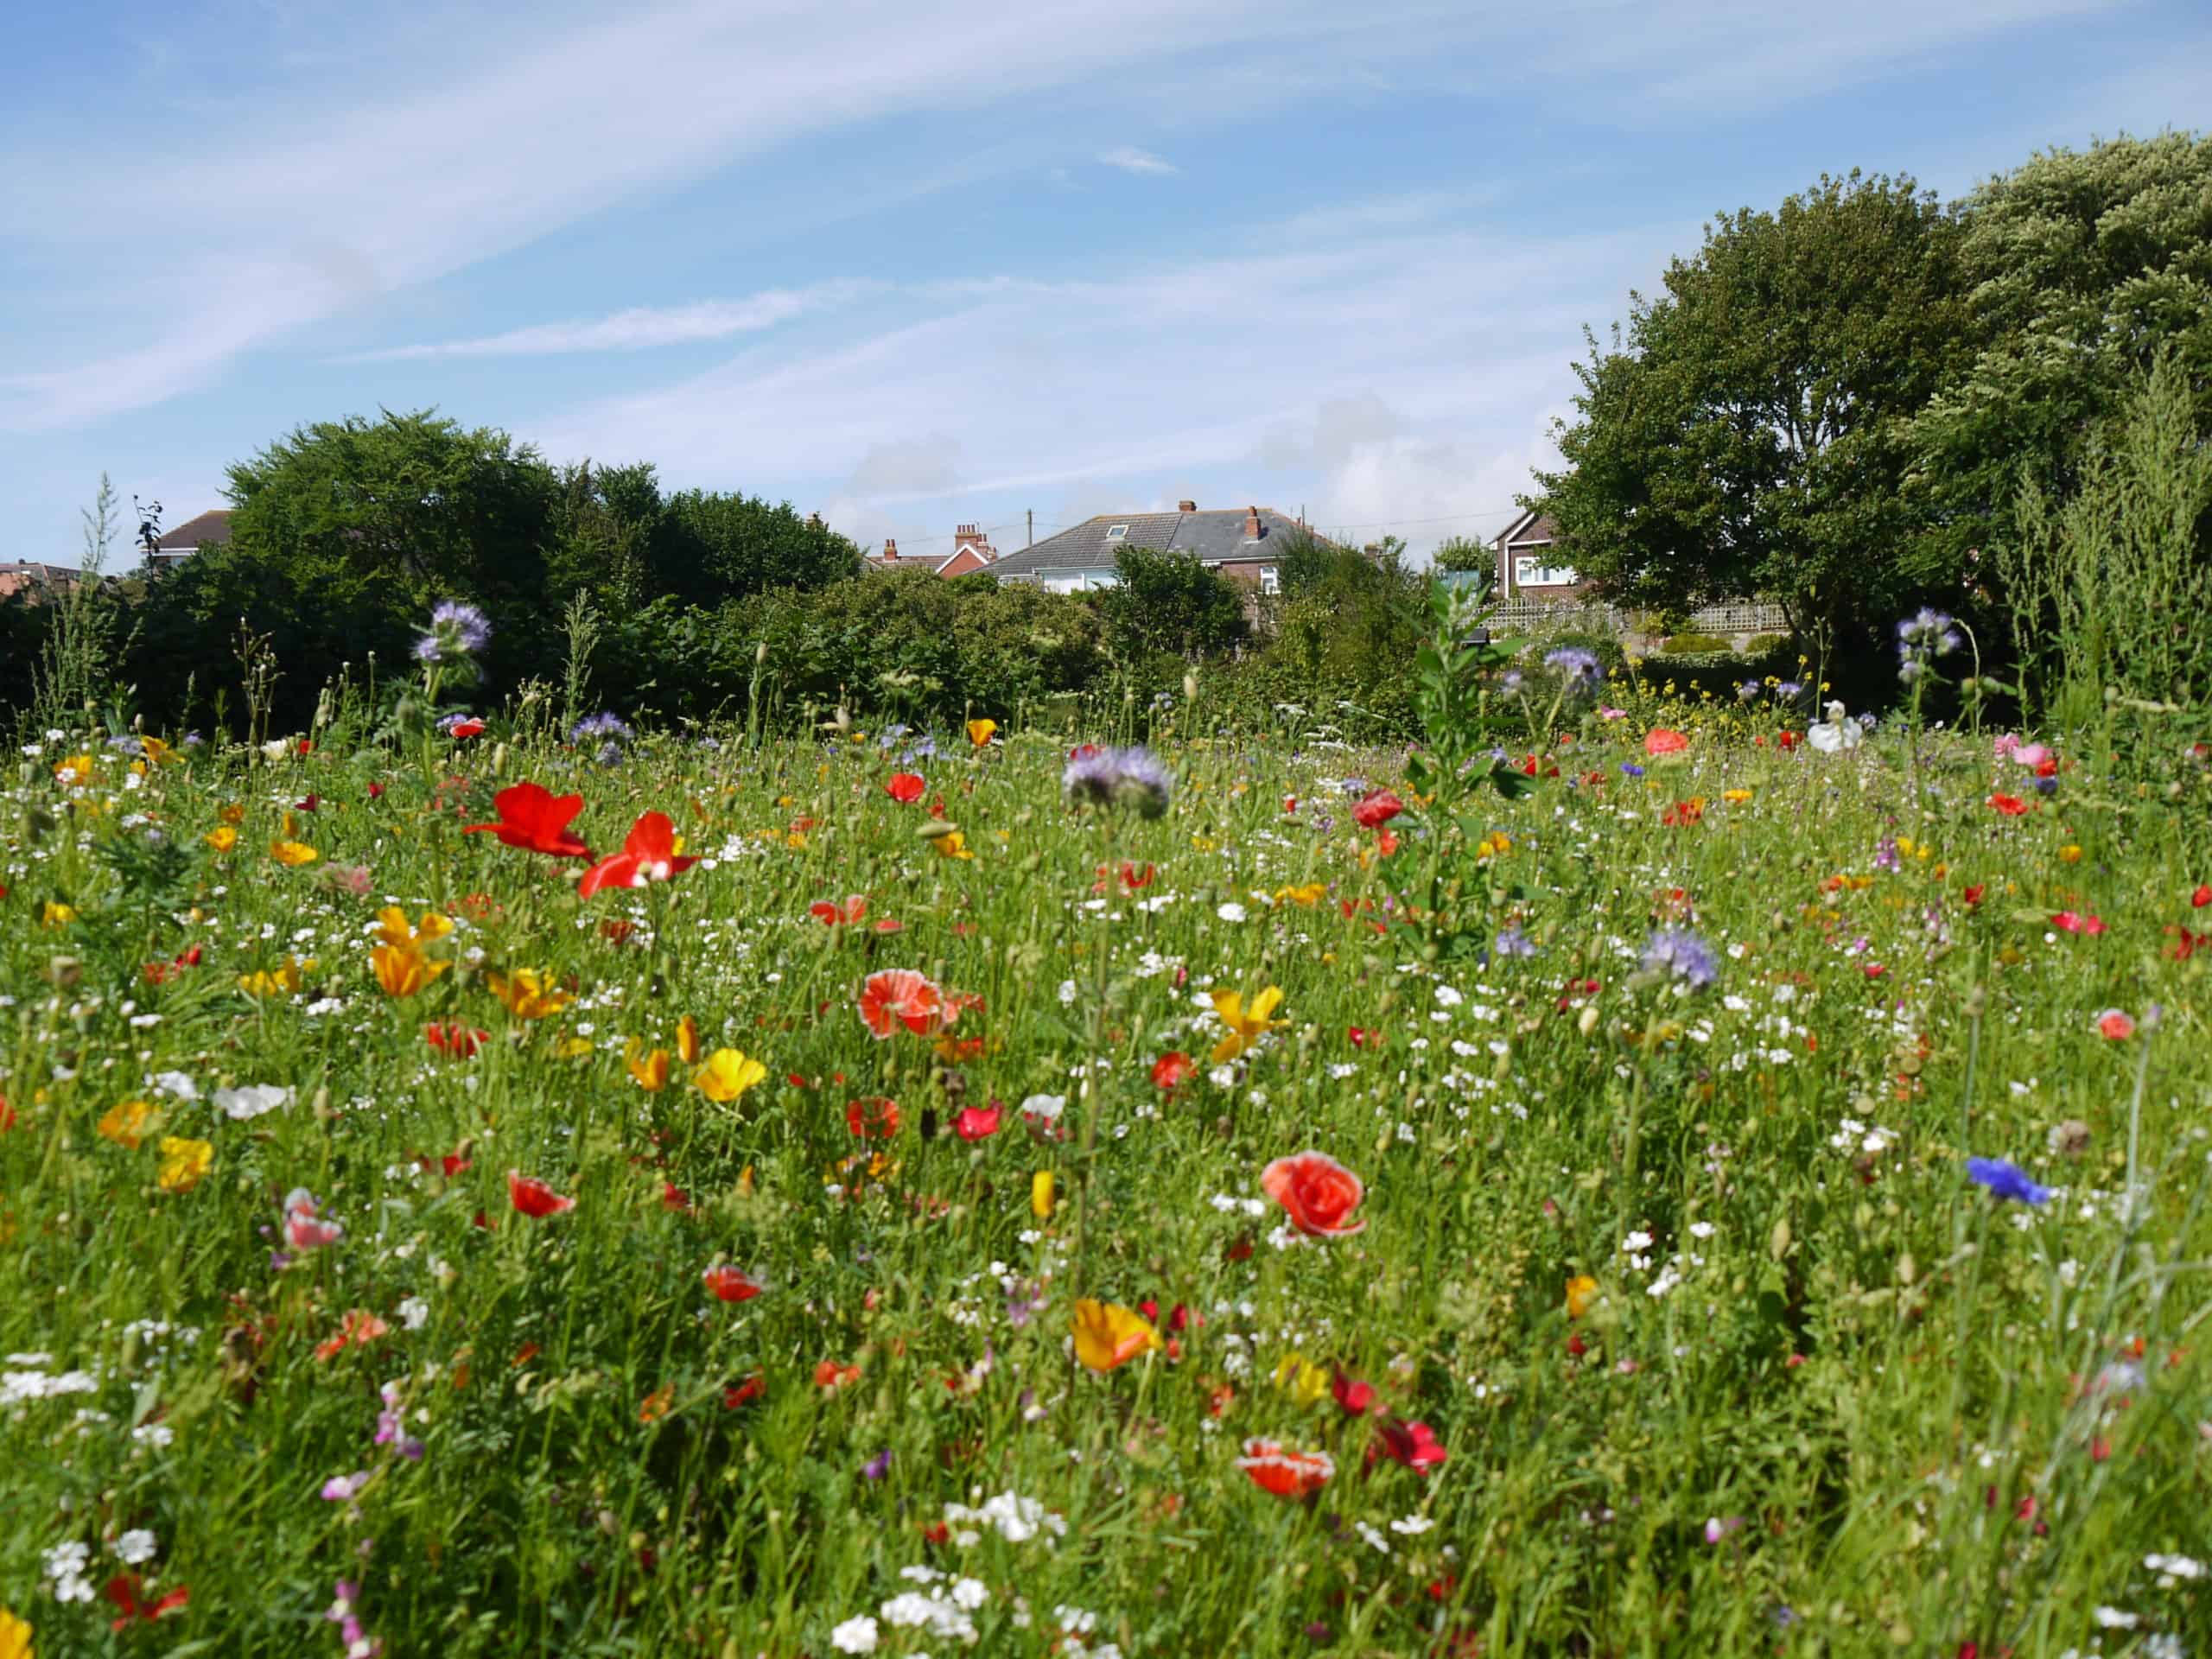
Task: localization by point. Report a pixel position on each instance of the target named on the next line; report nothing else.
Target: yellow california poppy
(222, 837)
(128, 1122)
(1245, 1028)
(726, 1075)
(1305, 1382)
(1040, 1195)
(73, 769)
(689, 1048)
(15, 1637)
(650, 1070)
(392, 928)
(184, 1163)
(292, 853)
(1581, 1291)
(980, 732)
(1107, 1334)
(56, 915)
(288, 978)
(403, 970)
(528, 993)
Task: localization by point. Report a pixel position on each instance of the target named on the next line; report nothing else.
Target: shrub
(1765, 644)
(1693, 645)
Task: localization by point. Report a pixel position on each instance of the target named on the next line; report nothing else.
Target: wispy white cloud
(639, 329)
(1130, 159)
(309, 202)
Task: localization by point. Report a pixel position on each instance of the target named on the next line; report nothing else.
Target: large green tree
(708, 548)
(2085, 268)
(1747, 433)
(1169, 602)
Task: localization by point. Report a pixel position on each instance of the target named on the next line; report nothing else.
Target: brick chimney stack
(1186, 507)
(966, 536)
(890, 549)
(1251, 524)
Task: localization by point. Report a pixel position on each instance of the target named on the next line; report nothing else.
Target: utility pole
(1030, 540)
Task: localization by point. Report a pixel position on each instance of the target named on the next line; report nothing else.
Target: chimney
(1251, 524)
(966, 536)
(1186, 507)
(890, 549)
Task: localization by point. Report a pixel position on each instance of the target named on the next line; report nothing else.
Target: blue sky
(941, 261)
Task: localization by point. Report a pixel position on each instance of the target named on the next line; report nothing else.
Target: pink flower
(2007, 745)
(302, 1230)
(2114, 1024)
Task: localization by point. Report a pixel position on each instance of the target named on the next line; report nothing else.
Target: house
(208, 530)
(971, 551)
(30, 582)
(1243, 544)
(1527, 566)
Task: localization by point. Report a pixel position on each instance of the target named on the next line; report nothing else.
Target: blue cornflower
(1680, 954)
(1512, 942)
(2006, 1181)
(1631, 769)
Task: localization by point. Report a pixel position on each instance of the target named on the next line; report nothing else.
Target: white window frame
(1530, 570)
(1270, 579)
(1117, 532)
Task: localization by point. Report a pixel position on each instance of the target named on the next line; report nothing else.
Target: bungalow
(1527, 567)
(32, 582)
(971, 551)
(1244, 546)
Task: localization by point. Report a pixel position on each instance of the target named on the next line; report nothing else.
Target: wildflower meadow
(1721, 1178)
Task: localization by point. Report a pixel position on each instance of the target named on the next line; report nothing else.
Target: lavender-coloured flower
(1922, 638)
(611, 728)
(392, 1425)
(878, 1465)
(1885, 853)
(1512, 942)
(1749, 691)
(1677, 953)
(1578, 668)
(1132, 778)
(457, 631)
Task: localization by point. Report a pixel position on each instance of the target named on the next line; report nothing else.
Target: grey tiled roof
(1213, 535)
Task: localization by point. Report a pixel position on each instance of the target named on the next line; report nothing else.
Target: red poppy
(123, 1589)
(745, 1392)
(1386, 843)
(899, 996)
(307, 805)
(191, 958)
(1135, 876)
(466, 729)
(1354, 1395)
(2201, 897)
(649, 854)
(1361, 1037)
(616, 931)
(306, 746)
(2067, 921)
(673, 1197)
(976, 1122)
(875, 1118)
(1787, 739)
(1290, 803)
(1664, 740)
(7, 1116)
(533, 1198)
(835, 915)
(449, 1165)
(2115, 1025)
(160, 973)
(1084, 751)
(375, 791)
(534, 818)
(830, 1376)
(1319, 1192)
(456, 1041)
(2011, 805)
(1973, 895)
(1684, 812)
(732, 1284)
(1173, 1070)
(1277, 1469)
(905, 787)
(1414, 1444)
(1377, 808)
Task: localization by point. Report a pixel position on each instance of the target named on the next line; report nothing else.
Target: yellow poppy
(222, 837)
(73, 769)
(1581, 1291)
(1306, 896)
(232, 813)
(1735, 796)
(528, 993)
(650, 1070)
(184, 1163)
(154, 750)
(403, 970)
(15, 1637)
(1245, 1027)
(128, 1122)
(56, 915)
(726, 1075)
(1040, 1195)
(952, 844)
(392, 928)
(1305, 1382)
(1107, 1334)
(689, 1048)
(572, 1048)
(290, 978)
(980, 732)
(292, 853)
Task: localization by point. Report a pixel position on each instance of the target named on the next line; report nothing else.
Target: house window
(1530, 570)
(1115, 532)
(1270, 580)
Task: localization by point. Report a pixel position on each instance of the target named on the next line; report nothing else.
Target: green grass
(1911, 1417)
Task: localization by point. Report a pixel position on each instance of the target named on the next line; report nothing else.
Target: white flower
(1223, 1076)
(1230, 911)
(854, 1635)
(1448, 998)
(250, 1101)
(1412, 1526)
(135, 1547)
(1067, 993)
(415, 1312)
(1047, 1106)
(2111, 1618)
(68, 1560)
(1701, 1230)
(175, 1085)
(2174, 1566)
(1637, 1242)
